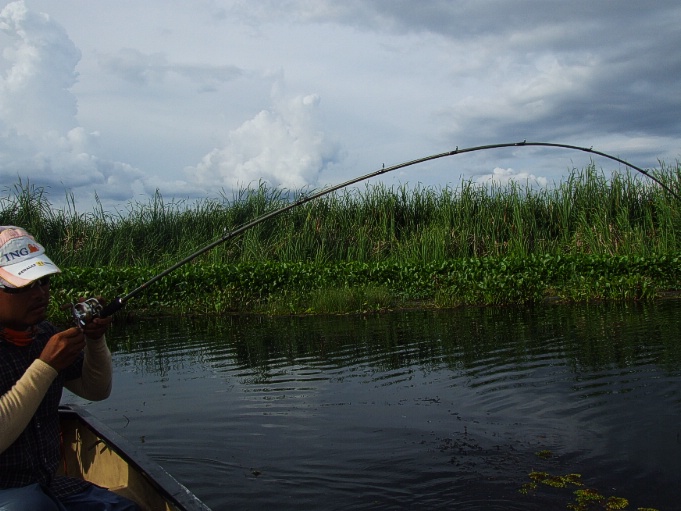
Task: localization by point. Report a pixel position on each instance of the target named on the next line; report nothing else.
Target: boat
(94, 452)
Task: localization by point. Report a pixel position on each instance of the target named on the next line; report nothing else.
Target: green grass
(447, 245)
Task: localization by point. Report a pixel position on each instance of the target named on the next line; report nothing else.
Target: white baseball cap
(22, 258)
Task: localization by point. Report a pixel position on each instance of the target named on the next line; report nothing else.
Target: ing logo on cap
(32, 248)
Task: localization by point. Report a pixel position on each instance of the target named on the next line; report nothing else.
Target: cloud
(185, 104)
(583, 72)
(502, 177)
(143, 69)
(34, 95)
(40, 139)
(282, 146)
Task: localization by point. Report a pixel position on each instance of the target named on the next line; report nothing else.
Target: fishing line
(85, 311)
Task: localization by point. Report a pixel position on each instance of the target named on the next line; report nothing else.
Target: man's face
(24, 308)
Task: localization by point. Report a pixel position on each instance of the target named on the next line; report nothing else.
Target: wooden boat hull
(94, 452)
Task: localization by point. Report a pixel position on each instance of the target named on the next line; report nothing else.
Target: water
(409, 410)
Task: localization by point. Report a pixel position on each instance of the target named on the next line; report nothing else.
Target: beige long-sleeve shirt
(19, 404)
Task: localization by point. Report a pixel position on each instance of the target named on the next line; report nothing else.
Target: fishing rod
(84, 312)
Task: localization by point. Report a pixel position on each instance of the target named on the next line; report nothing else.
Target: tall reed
(587, 213)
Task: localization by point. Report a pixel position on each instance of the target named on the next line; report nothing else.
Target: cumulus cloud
(40, 139)
(34, 96)
(574, 72)
(282, 146)
(502, 177)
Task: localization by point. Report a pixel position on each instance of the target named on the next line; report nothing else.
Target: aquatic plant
(585, 499)
(586, 238)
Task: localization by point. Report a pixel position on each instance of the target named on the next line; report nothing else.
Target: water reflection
(440, 410)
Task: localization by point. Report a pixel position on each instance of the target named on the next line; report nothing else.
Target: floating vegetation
(555, 481)
(544, 454)
(584, 499)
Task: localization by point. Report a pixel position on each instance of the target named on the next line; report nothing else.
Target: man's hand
(97, 327)
(63, 348)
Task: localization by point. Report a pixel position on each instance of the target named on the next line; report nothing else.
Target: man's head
(22, 259)
(24, 278)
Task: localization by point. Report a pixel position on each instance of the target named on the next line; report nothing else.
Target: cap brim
(23, 273)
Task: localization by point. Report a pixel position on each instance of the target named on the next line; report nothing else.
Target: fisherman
(36, 362)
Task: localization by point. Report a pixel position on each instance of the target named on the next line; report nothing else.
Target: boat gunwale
(164, 483)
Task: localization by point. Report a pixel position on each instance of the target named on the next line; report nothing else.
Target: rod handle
(112, 307)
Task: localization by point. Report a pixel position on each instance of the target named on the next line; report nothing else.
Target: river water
(449, 409)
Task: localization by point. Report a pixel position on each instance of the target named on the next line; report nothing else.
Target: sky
(114, 100)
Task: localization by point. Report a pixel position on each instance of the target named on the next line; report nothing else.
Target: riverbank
(350, 287)
(594, 236)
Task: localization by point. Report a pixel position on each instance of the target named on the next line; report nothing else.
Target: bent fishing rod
(86, 311)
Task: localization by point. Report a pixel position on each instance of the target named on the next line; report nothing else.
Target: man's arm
(19, 404)
(96, 378)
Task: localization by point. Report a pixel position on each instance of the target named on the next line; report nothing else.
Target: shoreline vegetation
(376, 248)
